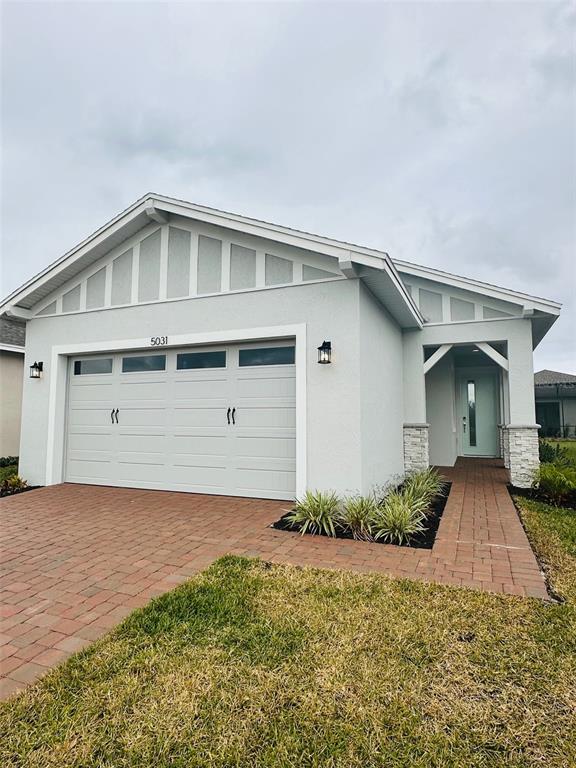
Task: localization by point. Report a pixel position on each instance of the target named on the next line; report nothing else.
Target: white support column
(521, 437)
(416, 453)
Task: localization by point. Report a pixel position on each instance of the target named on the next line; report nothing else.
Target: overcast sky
(443, 133)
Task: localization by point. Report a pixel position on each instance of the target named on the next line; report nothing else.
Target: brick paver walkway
(77, 559)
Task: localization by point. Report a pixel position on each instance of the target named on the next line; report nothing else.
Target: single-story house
(12, 336)
(180, 347)
(555, 403)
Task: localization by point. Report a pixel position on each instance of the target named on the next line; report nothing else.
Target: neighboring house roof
(547, 378)
(12, 335)
(379, 272)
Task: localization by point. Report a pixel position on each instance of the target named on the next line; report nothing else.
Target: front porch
(475, 399)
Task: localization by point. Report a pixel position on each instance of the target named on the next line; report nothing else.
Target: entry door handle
(233, 412)
(228, 415)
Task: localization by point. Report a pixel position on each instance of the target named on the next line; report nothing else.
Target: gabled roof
(547, 378)
(374, 267)
(527, 301)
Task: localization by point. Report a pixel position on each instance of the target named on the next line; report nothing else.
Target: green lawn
(552, 533)
(567, 445)
(256, 665)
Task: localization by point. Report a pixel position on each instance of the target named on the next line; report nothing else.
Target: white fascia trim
(12, 348)
(70, 256)
(57, 396)
(469, 284)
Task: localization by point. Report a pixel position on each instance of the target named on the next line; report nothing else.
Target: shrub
(11, 485)
(357, 516)
(422, 487)
(8, 471)
(397, 519)
(557, 483)
(554, 454)
(316, 512)
(8, 461)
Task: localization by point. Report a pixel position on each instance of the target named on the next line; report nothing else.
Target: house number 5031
(158, 341)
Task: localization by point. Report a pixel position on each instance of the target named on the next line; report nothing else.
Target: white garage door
(204, 420)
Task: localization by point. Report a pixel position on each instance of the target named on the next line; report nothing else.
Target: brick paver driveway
(76, 559)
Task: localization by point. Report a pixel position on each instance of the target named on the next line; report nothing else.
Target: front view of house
(183, 348)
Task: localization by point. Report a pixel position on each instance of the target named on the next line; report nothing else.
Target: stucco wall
(330, 310)
(11, 377)
(381, 393)
(440, 399)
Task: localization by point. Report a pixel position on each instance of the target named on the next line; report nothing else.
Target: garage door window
(267, 356)
(189, 360)
(95, 365)
(143, 363)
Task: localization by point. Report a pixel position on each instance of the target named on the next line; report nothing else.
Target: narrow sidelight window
(472, 412)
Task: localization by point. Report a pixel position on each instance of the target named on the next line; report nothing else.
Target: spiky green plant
(357, 516)
(398, 519)
(422, 488)
(316, 512)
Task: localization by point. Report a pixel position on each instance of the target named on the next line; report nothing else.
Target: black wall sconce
(325, 353)
(36, 370)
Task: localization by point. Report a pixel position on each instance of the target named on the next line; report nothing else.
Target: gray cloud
(442, 133)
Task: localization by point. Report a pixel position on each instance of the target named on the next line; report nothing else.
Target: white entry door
(478, 406)
(205, 420)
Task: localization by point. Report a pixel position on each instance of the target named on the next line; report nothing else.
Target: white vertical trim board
(59, 374)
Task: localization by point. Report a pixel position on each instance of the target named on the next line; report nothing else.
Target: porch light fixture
(325, 353)
(36, 370)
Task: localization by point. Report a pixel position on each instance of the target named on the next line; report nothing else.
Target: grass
(552, 533)
(6, 472)
(255, 665)
(567, 445)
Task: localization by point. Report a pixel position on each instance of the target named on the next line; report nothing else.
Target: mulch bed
(424, 540)
(4, 494)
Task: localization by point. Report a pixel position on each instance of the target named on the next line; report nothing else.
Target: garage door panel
(265, 418)
(153, 390)
(90, 417)
(195, 445)
(134, 443)
(274, 388)
(188, 478)
(209, 388)
(92, 393)
(142, 417)
(198, 416)
(88, 441)
(89, 470)
(268, 483)
(274, 447)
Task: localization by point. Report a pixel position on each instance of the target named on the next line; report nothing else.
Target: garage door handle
(117, 412)
(233, 412)
(112, 415)
(228, 415)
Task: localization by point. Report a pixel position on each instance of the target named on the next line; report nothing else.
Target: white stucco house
(178, 348)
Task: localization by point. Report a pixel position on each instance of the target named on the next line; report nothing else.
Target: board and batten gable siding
(184, 259)
(329, 309)
(440, 303)
(380, 391)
